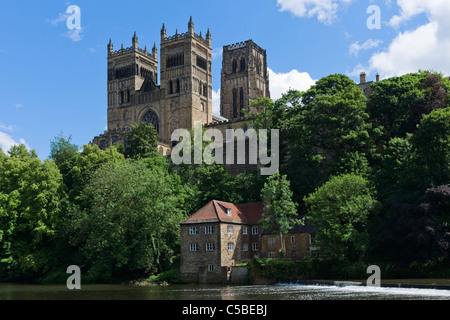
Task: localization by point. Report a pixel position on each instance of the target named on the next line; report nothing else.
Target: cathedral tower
(129, 69)
(186, 78)
(244, 78)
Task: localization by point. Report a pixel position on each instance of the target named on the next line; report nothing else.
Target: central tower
(186, 77)
(244, 78)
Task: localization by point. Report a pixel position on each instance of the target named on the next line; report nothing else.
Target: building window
(193, 247)
(245, 247)
(210, 246)
(292, 239)
(241, 99)
(209, 229)
(242, 64)
(150, 117)
(254, 230)
(202, 63)
(229, 212)
(170, 87)
(193, 230)
(210, 268)
(255, 246)
(177, 88)
(271, 255)
(230, 229)
(235, 103)
(272, 241)
(234, 66)
(230, 246)
(244, 230)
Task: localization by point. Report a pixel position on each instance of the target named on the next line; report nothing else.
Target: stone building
(182, 94)
(244, 78)
(221, 235)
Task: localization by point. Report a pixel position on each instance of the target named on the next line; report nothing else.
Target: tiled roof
(228, 212)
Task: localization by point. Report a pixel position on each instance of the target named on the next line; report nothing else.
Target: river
(218, 292)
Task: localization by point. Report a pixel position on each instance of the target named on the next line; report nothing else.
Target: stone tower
(244, 78)
(186, 78)
(128, 70)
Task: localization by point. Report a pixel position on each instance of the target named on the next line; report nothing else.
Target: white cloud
(426, 47)
(325, 10)
(355, 47)
(18, 105)
(281, 82)
(75, 34)
(216, 102)
(4, 127)
(6, 142)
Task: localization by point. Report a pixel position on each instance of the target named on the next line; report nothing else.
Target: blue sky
(54, 79)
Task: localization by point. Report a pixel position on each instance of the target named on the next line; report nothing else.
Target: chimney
(362, 77)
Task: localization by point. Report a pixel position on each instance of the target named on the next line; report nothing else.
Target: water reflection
(217, 292)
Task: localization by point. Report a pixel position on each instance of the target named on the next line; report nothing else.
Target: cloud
(426, 47)
(4, 127)
(355, 47)
(217, 53)
(216, 102)
(75, 34)
(6, 142)
(18, 105)
(281, 82)
(325, 10)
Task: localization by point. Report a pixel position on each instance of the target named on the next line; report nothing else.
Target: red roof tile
(218, 211)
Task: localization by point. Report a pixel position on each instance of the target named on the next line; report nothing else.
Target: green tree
(142, 141)
(131, 226)
(85, 164)
(340, 211)
(280, 212)
(431, 144)
(64, 152)
(31, 193)
(328, 133)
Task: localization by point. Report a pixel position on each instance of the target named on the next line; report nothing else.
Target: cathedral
(181, 95)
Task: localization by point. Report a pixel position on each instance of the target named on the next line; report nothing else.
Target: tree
(64, 152)
(340, 210)
(142, 141)
(431, 144)
(328, 134)
(280, 212)
(85, 164)
(417, 231)
(31, 214)
(131, 226)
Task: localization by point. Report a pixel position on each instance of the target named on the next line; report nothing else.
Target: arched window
(235, 108)
(178, 86)
(150, 117)
(170, 87)
(234, 64)
(242, 64)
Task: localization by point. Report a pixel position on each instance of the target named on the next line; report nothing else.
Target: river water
(218, 292)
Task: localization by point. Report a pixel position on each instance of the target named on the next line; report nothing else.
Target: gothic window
(128, 96)
(234, 65)
(170, 87)
(242, 64)
(205, 90)
(234, 103)
(202, 63)
(178, 86)
(150, 117)
(121, 97)
(241, 98)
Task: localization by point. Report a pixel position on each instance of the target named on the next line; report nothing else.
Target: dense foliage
(371, 173)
